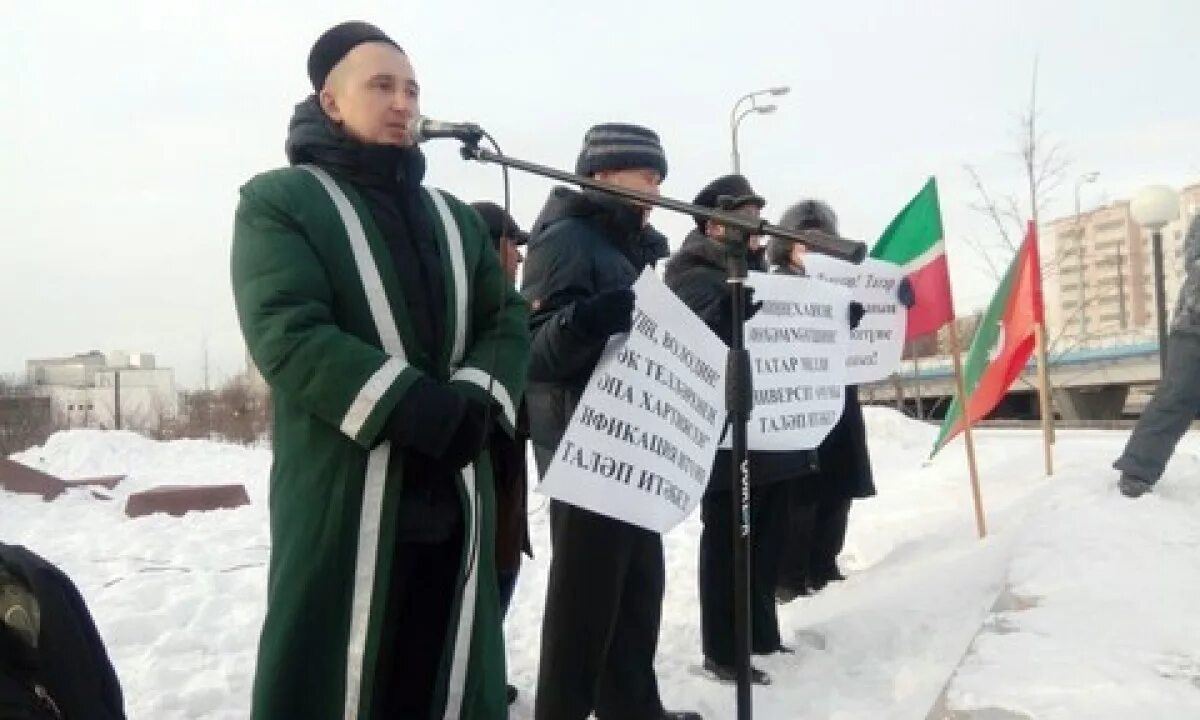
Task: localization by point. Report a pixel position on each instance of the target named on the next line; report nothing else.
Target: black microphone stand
(739, 402)
(739, 397)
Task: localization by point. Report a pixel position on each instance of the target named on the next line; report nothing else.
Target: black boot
(1132, 487)
(784, 594)
(511, 692)
(727, 673)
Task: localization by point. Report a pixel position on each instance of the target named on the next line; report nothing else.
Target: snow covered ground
(1080, 604)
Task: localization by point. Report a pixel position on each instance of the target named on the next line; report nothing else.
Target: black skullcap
(334, 43)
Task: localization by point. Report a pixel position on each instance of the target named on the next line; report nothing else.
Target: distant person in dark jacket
(698, 274)
(1176, 400)
(605, 587)
(509, 453)
(820, 505)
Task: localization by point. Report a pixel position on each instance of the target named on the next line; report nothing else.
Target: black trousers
(768, 525)
(424, 581)
(830, 520)
(600, 629)
(815, 536)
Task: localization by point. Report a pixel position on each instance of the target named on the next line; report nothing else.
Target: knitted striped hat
(619, 146)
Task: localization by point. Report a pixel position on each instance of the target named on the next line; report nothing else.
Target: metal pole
(1121, 290)
(1079, 237)
(736, 124)
(734, 121)
(1160, 300)
(737, 160)
(117, 399)
(739, 400)
(815, 241)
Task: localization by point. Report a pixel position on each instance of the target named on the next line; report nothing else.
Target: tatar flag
(914, 241)
(1004, 341)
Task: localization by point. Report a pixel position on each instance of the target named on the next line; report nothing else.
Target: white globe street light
(1155, 206)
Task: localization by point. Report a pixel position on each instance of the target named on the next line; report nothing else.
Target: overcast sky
(128, 126)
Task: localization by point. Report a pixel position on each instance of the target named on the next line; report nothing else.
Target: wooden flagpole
(1047, 412)
(972, 467)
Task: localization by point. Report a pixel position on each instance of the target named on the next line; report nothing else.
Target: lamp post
(736, 117)
(1152, 208)
(1079, 183)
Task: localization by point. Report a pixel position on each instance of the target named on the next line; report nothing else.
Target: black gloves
(722, 322)
(725, 307)
(440, 423)
(606, 313)
(856, 314)
(468, 439)
(905, 294)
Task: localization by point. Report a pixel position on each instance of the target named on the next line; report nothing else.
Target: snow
(1079, 604)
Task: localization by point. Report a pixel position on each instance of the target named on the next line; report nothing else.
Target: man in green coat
(380, 315)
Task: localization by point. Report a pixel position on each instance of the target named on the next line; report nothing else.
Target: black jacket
(844, 461)
(69, 662)
(581, 244)
(511, 473)
(697, 274)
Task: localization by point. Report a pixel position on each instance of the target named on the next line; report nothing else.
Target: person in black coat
(508, 454)
(698, 275)
(820, 507)
(605, 587)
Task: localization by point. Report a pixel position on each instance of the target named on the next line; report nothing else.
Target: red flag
(1004, 340)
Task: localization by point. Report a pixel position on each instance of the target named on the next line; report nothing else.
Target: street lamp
(1152, 208)
(1079, 183)
(735, 117)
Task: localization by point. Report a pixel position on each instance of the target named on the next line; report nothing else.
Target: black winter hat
(620, 146)
(334, 43)
(500, 224)
(734, 186)
(804, 215)
(810, 215)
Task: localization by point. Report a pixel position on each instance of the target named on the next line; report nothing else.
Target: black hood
(314, 138)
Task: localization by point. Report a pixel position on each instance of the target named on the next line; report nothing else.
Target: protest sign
(641, 443)
(797, 343)
(878, 343)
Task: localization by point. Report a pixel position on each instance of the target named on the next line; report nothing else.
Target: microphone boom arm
(816, 241)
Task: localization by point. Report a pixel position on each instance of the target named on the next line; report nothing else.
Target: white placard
(877, 345)
(797, 343)
(641, 443)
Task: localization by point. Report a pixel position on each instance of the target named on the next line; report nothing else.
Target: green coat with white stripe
(323, 315)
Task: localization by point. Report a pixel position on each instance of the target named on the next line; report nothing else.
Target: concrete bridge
(1089, 384)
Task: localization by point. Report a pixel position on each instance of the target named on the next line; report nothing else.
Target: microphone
(423, 128)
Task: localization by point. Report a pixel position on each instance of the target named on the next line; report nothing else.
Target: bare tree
(1044, 165)
(232, 413)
